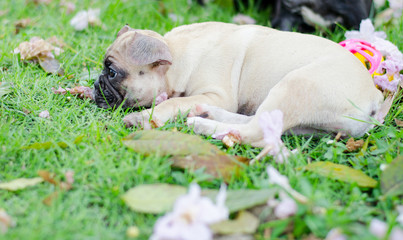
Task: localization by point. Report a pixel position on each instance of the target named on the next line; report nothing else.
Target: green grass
(105, 169)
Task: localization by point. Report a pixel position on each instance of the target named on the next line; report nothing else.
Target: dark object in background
(307, 15)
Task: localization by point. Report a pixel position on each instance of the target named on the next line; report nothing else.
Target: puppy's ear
(149, 50)
(124, 29)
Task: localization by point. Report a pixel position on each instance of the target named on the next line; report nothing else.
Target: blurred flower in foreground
(378, 228)
(83, 19)
(272, 126)
(191, 216)
(335, 234)
(276, 178)
(392, 77)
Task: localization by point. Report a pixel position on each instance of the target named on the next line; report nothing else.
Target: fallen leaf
(235, 237)
(5, 221)
(80, 91)
(385, 107)
(342, 173)
(49, 199)
(245, 222)
(398, 122)
(5, 88)
(40, 51)
(219, 165)
(132, 232)
(48, 145)
(51, 65)
(20, 183)
(168, 143)
(159, 198)
(392, 178)
(22, 23)
(153, 198)
(187, 151)
(69, 6)
(55, 41)
(48, 177)
(231, 139)
(354, 145)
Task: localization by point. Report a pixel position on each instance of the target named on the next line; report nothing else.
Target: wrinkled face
(134, 71)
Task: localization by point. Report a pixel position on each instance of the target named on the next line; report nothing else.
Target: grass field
(104, 168)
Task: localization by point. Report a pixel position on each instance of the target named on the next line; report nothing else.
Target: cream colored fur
(251, 69)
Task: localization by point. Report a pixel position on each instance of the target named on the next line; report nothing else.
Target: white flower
(44, 114)
(367, 32)
(286, 207)
(191, 216)
(396, 234)
(378, 228)
(276, 178)
(84, 18)
(335, 234)
(272, 126)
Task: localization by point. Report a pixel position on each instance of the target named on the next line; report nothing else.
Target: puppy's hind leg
(327, 100)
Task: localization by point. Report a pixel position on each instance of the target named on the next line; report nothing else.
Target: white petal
(378, 228)
(396, 234)
(276, 178)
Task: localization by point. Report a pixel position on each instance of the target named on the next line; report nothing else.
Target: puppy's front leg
(170, 108)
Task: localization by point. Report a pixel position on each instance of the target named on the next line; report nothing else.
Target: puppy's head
(134, 70)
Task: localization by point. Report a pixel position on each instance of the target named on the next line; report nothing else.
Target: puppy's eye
(112, 73)
(141, 73)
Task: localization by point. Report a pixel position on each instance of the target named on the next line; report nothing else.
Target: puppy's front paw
(201, 125)
(137, 119)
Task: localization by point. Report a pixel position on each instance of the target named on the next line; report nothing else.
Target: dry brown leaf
(353, 145)
(5, 221)
(40, 51)
(49, 199)
(55, 41)
(34, 49)
(81, 91)
(48, 177)
(398, 122)
(22, 23)
(69, 6)
(219, 165)
(231, 138)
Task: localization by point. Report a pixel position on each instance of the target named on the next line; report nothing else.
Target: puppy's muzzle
(105, 95)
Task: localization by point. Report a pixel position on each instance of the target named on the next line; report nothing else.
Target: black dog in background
(307, 15)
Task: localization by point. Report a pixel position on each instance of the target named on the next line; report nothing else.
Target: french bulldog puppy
(231, 74)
